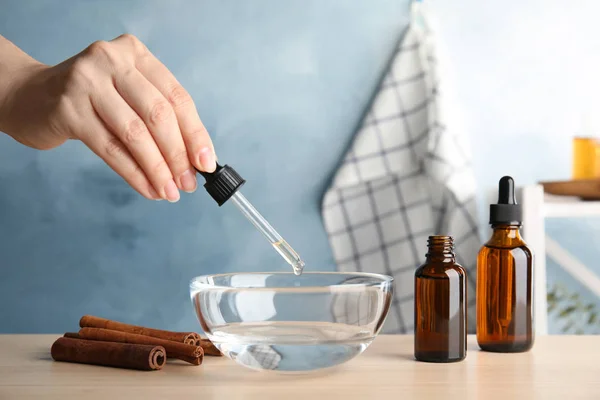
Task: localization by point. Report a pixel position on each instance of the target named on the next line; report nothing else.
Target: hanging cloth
(407, 175)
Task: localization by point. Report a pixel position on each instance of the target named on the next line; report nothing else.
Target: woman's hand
(119, 100)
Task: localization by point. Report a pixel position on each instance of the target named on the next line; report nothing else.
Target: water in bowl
(291, 346)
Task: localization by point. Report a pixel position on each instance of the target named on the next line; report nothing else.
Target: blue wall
(280, 85)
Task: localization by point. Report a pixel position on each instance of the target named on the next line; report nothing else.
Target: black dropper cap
(507, 211)
(222, 183)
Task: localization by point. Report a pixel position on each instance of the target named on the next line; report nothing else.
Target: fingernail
(171, 191)
(153, 194)
(207, 159)
(188, 181)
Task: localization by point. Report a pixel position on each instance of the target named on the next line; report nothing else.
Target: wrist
(11, 86)
(16, 69)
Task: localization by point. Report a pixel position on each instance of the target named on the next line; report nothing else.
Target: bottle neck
(506, 235)
(506, 231)
(440, 249)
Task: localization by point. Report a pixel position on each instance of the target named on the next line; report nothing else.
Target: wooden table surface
(558, 367)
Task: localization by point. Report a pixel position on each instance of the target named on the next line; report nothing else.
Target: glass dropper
(224, 184)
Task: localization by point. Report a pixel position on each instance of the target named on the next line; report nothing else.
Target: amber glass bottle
(440, 305)
(504, 280)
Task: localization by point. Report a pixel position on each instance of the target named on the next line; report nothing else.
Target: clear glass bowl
(288, 323)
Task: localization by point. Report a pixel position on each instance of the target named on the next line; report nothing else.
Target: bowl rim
(383, 279)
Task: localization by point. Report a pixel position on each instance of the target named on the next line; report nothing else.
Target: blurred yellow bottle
(586, 147)
(586, 158)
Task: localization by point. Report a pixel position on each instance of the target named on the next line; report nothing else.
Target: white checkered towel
(406, 176)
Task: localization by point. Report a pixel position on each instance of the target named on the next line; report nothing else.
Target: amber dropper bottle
(440, 305)
(505, 280)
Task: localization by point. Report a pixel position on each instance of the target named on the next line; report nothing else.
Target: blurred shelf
(564, 206)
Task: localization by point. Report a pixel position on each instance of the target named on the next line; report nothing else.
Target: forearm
(14, 65)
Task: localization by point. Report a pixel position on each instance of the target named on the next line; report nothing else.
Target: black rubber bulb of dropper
(506, 191)
(222, 183)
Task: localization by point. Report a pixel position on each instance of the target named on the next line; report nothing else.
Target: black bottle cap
(222, 183)
(507, 211)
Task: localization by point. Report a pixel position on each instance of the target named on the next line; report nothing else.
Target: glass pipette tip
(283, 248)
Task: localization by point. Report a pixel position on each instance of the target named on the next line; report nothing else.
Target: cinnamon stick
(192, 338)
(72, 335)
(177, 350)
(191, 360)
(90, 321)
(209, 348)
(121, 355)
